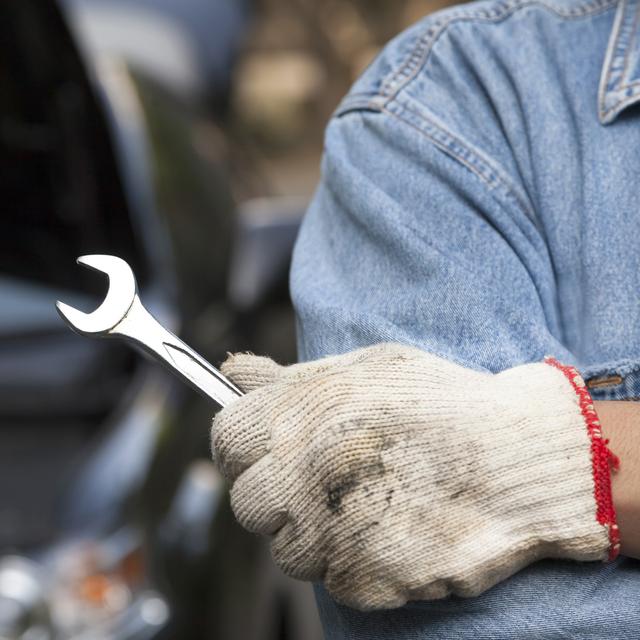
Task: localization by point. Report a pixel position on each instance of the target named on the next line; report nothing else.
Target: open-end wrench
(122, 315)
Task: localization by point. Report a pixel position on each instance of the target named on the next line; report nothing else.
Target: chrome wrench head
(120, 296)
(122, 315)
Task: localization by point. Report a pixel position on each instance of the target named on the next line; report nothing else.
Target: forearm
(621, 425)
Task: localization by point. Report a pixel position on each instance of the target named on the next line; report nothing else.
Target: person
(456, 455)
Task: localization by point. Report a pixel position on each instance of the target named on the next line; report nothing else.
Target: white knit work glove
(393, 475)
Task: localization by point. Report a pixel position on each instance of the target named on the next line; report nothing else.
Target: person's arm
(621, 425)
(390, 473)
(417, 236)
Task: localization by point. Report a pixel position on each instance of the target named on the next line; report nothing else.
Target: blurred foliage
(300, 59)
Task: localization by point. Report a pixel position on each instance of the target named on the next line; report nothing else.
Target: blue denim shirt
(480, 199)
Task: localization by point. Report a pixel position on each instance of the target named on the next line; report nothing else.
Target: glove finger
(299, 551)
(240, 434)
(258, 498)
(251, 372)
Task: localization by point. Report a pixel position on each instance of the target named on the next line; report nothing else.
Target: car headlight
(23, 609)
(88, 589)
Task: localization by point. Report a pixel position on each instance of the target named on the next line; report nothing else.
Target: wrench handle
(142, 330)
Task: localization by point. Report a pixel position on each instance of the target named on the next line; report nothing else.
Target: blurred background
(184, 136)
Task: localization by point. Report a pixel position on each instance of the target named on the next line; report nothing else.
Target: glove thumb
(250, 372)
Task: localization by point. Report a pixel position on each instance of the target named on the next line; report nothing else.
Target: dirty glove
(393, 475)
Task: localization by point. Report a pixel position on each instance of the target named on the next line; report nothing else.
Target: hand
(393, 475)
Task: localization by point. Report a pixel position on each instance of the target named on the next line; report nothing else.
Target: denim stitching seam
(461, 153)
(419, 56)
(449, 143)
(619, 46)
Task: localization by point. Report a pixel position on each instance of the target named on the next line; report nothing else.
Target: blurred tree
(301, 58)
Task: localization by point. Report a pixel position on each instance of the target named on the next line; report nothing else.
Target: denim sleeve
(408, 241)
(411, 239)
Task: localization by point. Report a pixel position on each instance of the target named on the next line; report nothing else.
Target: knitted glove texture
(393, 475)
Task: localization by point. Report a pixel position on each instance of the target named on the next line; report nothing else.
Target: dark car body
(113, 521)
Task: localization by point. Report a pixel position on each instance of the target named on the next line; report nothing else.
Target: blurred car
(114, 524)
(189, 45)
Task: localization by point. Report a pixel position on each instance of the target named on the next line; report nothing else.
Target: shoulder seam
(495, 179)
(492, 176)
(474, 160)
(483, 167)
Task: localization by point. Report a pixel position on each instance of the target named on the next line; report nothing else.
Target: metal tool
(122, 315)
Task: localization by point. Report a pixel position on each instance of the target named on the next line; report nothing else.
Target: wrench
(122, 315)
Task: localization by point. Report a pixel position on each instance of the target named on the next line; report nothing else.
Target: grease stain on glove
(393, 475)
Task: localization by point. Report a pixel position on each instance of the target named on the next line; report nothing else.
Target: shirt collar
(620, 79)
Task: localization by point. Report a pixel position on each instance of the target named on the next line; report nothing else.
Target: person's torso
(547, 94)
